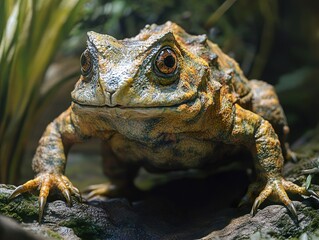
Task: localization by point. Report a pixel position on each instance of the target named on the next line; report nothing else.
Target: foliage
(30, 33)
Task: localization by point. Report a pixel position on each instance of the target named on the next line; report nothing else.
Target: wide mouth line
(134, 107)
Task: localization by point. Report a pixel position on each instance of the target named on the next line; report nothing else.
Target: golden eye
(166, 62)
(86, 63)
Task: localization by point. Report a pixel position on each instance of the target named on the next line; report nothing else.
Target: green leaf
(308, 181)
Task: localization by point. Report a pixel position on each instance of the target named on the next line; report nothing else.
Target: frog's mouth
(190, 110)
(188, 102)
(112, 100)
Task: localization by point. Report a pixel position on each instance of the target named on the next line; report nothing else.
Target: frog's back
(223, 68)
(237, 80)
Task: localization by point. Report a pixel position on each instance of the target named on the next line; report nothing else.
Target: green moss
(83, 228)
(23, 208)
(54, 235)
(314, 223)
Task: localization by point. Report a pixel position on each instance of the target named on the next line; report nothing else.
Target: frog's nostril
(111, 85)
(110, 90)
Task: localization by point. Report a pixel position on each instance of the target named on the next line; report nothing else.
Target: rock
(162, 214)
(189, 208)
(10, 229)
(272, 222)
(76, 222)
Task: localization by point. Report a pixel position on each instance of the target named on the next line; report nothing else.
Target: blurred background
(41, 42)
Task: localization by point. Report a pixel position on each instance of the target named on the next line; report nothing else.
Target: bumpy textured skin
(184, 124)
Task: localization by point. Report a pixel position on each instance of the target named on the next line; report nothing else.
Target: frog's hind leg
(120, 173)
(265, 103)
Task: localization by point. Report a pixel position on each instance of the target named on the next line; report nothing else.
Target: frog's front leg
(50, 160)
(258, 135)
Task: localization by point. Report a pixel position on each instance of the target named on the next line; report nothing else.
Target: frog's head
(160, 67)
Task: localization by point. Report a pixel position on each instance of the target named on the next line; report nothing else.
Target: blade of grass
(31, 32)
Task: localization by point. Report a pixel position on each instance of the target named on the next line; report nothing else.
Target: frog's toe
(310, 171)
(253, 190)
(294, 188)
(293, 211)
(42, 202)
(262, 197)
(291, 155)
(64, 188)
(277, 189)
(67, 188)
(67, 196)
(279, 192)
(244, 201)
(45, 182)
(313, 194)
(28, 186)
(99, 190)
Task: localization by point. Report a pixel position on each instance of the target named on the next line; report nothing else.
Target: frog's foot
(253, 190)
(314, 170)
(45, 182)
(276, 188)
(99, 190)
(291, 155)
(108, 189)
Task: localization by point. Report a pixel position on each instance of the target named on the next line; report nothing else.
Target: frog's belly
(169, 154)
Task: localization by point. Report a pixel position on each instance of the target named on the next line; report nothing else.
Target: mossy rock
(190, 208)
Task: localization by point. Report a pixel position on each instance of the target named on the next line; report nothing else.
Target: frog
(165, 100)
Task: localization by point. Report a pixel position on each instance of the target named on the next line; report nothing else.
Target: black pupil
(169, 61)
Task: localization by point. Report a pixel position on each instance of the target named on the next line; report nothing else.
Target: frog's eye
(86, 63)
(166, 62)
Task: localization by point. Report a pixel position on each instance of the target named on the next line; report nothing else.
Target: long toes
(292, 210)
(73, 190)
(92, 194)
(76, 193)
(63, 187)
(255, 207)
(283, 197)
(313, 194)
(20, 189)
(67, 196)
(93, 187)
(277, 189)
(244, 201)
(102, 191)
(43, 195)
(294, 188)
(42, 202)
(310, 171)
(32, 184)
(262, 197)
(98, 190)
(292, 156)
